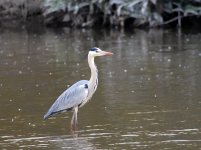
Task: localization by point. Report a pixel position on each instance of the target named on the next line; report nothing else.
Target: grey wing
(69, 99)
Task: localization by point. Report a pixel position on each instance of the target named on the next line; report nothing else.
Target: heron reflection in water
(79, 93)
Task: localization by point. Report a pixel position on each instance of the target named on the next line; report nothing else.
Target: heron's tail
(50, 114)
(46, 116)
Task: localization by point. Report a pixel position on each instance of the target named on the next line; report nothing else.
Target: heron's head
(98, 52)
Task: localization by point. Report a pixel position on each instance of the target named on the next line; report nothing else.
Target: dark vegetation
(102, 13)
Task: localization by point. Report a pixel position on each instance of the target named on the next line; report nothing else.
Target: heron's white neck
(93, 82)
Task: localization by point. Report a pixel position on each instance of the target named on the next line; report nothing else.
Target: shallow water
(148, 95)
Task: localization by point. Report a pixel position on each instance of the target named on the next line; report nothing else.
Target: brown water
(149, 93)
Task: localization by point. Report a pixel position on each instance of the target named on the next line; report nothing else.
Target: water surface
(148, 95)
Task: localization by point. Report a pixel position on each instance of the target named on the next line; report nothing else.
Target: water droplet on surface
(110, 74)
(169, 47)
(20, 72)
(10, 55)
(125, 70)
(1, 51)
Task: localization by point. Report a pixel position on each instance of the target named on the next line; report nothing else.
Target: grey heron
(79, 93)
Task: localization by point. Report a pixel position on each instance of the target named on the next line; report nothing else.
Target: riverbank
(99, 14)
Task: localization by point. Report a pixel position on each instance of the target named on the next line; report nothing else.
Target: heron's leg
(74, 120)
